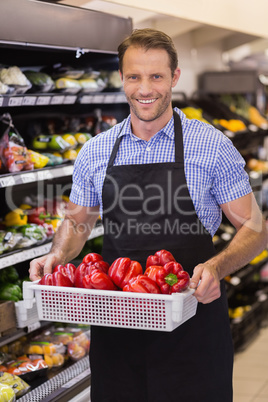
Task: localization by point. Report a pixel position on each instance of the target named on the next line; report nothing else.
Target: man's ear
(176, 77)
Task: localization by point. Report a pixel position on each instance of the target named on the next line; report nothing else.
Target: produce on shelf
(17, 217)
(41, 82)
(194, 113)
(13, 152)
(257, 165)
(10, 291)
(7, 394)
(242, 107)
(19, 386)
(39, 160)
(233, 125)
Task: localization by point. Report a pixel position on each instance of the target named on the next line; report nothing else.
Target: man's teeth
(147, 100)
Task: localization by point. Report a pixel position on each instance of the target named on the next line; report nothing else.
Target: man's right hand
(42, 265)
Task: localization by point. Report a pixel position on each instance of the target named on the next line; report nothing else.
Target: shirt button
(148, 149)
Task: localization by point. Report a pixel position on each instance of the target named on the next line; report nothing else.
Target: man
(160, 181)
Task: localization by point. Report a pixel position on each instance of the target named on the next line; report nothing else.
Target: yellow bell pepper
(16, 217)
(55, 221)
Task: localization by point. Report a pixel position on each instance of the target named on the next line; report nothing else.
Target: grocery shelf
(53, 99)
(53, 172)
(66, 384)
(24, 255)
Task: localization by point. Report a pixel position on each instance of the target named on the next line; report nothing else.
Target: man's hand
(206, 281)
(42, 265)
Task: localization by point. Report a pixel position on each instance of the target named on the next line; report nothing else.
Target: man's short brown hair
(149, 39)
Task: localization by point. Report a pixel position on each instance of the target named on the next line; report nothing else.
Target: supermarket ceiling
(238, 27)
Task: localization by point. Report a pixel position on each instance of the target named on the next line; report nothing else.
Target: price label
(121, 98)
(57, 100)
(109, 99)
(7, 181)
(43, 100)
(29, 100)
(28, 177)
(1, 101)
(15, 101)
(34, 326)
(86, 99)
(69, 99)
(68, 170)
(98, 98)
(44, 175)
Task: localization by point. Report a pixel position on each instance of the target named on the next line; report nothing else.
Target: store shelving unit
(76, 37)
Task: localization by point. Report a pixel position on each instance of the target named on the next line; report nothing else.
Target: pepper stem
(171, 279)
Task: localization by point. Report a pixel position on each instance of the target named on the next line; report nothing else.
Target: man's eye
(157, 76)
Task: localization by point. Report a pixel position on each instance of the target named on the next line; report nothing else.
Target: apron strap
(179, 155)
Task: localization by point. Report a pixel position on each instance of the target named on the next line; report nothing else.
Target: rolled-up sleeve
(230, 181)
(83, 190)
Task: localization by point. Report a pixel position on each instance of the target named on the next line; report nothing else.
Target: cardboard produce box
(7, 317)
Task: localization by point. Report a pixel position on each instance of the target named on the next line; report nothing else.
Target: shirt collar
(167, 130)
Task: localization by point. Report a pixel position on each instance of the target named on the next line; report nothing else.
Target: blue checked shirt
(214, 169)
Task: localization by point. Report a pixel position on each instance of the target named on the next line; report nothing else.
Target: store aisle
(251, 370)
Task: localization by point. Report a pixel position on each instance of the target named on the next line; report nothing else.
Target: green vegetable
(10, 291)
(9, 274)
(33, 231)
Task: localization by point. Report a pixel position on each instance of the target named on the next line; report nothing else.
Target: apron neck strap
(179, 157)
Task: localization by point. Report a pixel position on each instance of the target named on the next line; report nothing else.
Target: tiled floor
(251, 370)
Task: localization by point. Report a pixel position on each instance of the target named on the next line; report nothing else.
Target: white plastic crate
(26, 317)
(110, 308)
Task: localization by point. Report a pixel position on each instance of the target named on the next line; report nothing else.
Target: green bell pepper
(10, 291)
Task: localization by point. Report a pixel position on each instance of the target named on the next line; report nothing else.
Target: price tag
(109, 99)
(68, 170)
(7, 181)
(28, 178)
(43, 100)
(86, 99)
(98, 98)
(29, 100)
(15, 101)
(1, 101)
(69, 99)
(5, 262)
(44, 175)
(34, 326)
(57, 100)
(120, 98)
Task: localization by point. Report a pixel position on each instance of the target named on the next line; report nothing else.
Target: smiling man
(161, 181)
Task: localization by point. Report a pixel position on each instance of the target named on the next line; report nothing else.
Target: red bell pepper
(171, 278)
(102, 265)
(97, 279)
(160, 258)
(152, 271)
(123, 269)
(56, 279)
(141, 284)
(92, 257)
(84, 269)
(37, 215)
(67, 270)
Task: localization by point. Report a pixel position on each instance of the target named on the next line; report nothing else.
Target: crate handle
(28, 293)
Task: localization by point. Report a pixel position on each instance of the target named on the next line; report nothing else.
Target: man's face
(148, 82)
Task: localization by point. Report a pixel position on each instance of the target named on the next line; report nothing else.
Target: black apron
(148, 208)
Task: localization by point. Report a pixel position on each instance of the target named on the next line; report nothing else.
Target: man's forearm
(69, 240)
(246, 244)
